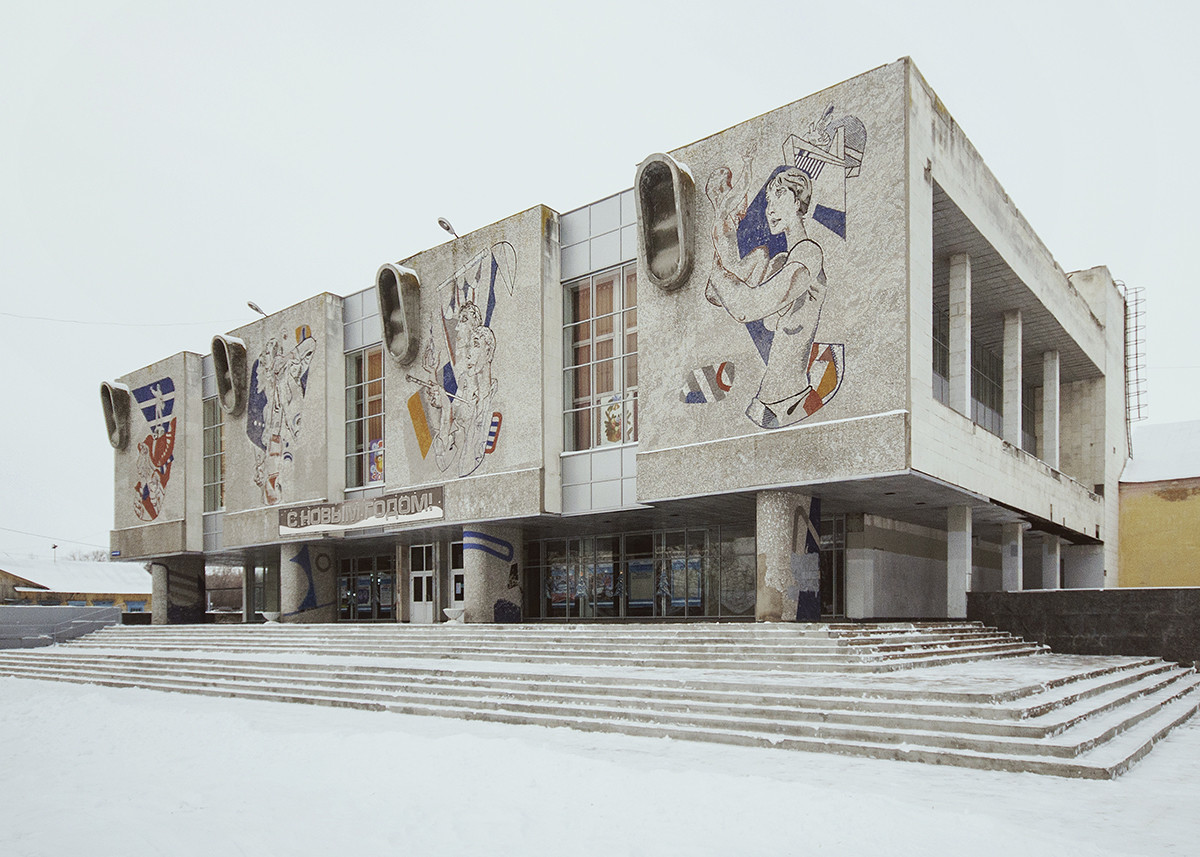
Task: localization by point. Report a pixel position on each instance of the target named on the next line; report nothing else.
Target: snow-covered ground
(100, 771)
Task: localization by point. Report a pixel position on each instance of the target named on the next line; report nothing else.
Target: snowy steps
(742, 647)
(1083, 717)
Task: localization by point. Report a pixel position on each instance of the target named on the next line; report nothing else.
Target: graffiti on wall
(451, 412)
(278, 382)
(768, 268)
(155, 452)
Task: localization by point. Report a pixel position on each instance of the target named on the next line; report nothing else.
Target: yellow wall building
(1160, 507)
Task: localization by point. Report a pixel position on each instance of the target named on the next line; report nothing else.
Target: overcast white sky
(163, 162)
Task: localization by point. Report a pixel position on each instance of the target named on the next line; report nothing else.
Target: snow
(102, 771)
(1164, 451)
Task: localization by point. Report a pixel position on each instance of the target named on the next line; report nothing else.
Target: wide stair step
(947, 693)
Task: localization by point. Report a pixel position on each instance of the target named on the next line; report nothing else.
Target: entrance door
(421, 600)
(366, 589)
(420, 607)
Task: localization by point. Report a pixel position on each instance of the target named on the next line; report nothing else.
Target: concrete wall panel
(795, 313)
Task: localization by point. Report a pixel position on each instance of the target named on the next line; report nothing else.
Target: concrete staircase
(945, 693)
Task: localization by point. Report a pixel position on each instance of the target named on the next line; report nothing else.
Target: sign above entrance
(407, 507)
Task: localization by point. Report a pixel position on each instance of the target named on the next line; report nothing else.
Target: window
(1028, 422)
(214, 456)
(987, 389)
(941, 355)
(364, 417)
(600, 352)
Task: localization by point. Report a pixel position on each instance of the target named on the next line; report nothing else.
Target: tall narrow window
(941, 355)
(600, 351)
(364, 417)
(214, 456)
(987, 388)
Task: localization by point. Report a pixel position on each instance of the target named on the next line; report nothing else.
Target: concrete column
(177, 591)
(787, 533)
(1050, 399)
(1012, 561)
(1050, 562)
(307, 584)
(960, 333)
(958, 560)
(1012, 377)
(492, 577)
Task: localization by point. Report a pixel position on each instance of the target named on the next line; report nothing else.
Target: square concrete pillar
(958, 560)
(1050, 562)
(492, 577)
(789, 557)
(960, 333)
(1012, 560)
(1012, 377)
(1050, 409)
(178, 591)
(307, 584)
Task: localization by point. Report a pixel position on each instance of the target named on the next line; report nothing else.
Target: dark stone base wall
(1163, 623)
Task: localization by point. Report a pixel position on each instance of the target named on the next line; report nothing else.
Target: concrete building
(814, 365)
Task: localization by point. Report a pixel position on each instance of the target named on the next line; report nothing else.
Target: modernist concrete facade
(815, 365)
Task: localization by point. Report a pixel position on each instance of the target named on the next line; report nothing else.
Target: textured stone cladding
(468, 412)
(1161, 623)
(157, 482)
(782, 359)
(286, 446)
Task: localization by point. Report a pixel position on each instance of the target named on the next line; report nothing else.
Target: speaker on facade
(663, 193)
(398, 290)
(229, 361)
(115, 401)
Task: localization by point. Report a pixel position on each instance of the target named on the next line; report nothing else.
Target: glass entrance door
(366, 589)
(421, 589)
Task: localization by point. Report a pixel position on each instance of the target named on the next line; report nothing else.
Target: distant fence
(27, 627)
(1163, 622)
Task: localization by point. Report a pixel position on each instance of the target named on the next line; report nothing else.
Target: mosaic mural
(155, 452)
(452, 411)
(768, 268)
(278, 383)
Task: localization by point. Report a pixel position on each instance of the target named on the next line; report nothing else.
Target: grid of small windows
(600, 348)
(214, 456)
(941, 355)
(987, 389)
(364, 417)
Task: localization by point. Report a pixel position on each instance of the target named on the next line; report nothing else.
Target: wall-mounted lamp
(256, 308)
(445, 224)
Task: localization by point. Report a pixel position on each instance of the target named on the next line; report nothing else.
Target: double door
(367, 589)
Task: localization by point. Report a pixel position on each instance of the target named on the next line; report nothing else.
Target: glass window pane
(631, 372)
(578, 305)
(354, 471)
(354, 369)
(604, 377)
(375, 363)
(605, 286)
(630, 273)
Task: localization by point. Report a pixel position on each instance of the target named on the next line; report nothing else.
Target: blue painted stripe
(499, 548)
